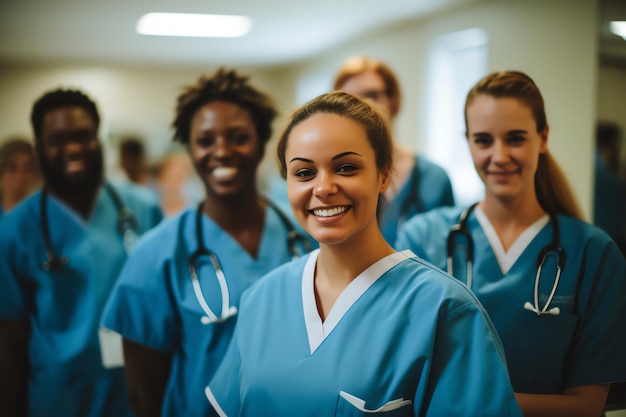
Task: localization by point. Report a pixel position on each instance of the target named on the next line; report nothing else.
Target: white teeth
(330, 212)
(224, 173)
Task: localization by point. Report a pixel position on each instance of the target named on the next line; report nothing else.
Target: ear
(544, 140)
(384, 178)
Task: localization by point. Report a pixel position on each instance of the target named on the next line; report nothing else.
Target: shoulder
(435, 218)
(284, 279)
(134, 194)
(428, 167)
(426, 284)
(24, 216)
(585, 238)
(166, 234)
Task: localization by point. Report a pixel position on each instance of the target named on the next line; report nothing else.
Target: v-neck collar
(506, 259)
(317, 330)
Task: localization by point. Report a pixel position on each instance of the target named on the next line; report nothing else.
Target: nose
(324, 185)
(72, 147)
(222, 147)
(501, 152)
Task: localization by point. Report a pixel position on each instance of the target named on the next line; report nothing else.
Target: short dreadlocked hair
(224, 85)
(61, 98)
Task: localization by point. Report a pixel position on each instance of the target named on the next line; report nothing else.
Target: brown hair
(358, 65)
(351, 107)
(551, 186)
(12, 146)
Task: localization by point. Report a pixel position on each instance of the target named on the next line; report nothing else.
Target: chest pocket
(350, 406)
(538, 335)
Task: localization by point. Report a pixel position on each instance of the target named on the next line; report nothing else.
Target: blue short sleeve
(468, 345)
(140, 306)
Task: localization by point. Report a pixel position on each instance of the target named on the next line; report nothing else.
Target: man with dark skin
(53, 359)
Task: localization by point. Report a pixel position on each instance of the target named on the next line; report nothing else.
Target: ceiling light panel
(194, 25)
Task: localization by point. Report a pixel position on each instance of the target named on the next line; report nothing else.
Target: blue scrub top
(584, 344)
(154, 304)
(414, 341)
(427, 187)
(63, 306)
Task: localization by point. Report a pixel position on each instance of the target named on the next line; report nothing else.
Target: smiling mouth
(224, 173)
(75, 166)
(330, 212)
(502, 173)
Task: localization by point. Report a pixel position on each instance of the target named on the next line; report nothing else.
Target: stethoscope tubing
(127, 224)
(553, 249)
(293, 237)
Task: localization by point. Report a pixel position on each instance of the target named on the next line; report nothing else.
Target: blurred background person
(417, 184)
(176, 300)
(176, 182)
(62, 249)
(133, 160)
(609, 208)
(19, 173)
(553, 284)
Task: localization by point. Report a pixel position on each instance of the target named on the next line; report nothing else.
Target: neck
(80, 201)
(344, 262)
(10, 201)
(338, 265)
(511, 218)
(236, 212)
(520, 210)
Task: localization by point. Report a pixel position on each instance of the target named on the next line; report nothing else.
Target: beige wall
(554, 41)
(130, 99)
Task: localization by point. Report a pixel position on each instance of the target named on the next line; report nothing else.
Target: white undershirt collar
(317, 330)
(507, 259)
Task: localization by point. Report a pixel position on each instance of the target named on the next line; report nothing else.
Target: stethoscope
(552, 249)
(127, 225)
(296, 243)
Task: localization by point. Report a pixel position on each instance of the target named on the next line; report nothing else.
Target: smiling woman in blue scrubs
(355, 327)
(561, 325)
(174, 305)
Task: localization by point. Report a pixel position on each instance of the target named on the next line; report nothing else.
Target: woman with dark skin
(175, 307)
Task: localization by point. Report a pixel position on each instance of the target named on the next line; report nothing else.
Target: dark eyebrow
(341, 155)
(517, 132)
(308, 161)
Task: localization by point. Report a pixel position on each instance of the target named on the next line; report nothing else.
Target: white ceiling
(104, 30)
(284, 31)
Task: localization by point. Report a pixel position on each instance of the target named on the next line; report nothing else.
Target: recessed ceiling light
(194, 25)
(619, 28)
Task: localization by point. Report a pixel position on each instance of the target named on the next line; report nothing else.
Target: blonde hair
(551, 186)
(358, 65)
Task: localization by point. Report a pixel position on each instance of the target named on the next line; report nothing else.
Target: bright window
(456, 62)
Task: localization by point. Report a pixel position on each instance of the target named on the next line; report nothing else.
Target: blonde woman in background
(417, 184)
